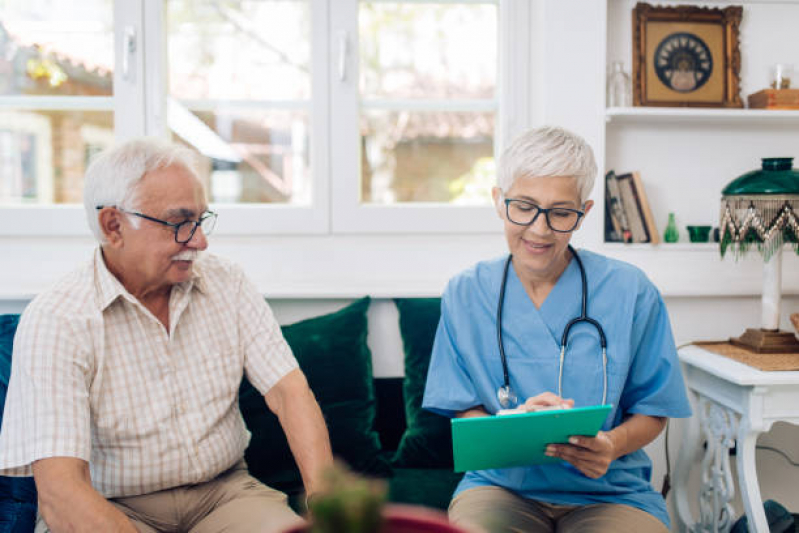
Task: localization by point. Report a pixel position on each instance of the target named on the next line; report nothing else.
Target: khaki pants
(495, 510)
(233, 502)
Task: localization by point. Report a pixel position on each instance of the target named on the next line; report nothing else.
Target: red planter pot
(407, 519)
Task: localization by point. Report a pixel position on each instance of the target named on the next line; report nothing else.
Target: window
(423, 94)
(56, 61)
(310, 116)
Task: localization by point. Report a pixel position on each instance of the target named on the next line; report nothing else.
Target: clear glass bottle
(672, 234)
(619, 89)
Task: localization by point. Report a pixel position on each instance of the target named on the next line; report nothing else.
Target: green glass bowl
(699, 233)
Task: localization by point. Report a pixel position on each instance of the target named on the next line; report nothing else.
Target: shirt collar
(109, 288)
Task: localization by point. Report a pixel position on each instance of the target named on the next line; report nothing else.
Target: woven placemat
(762, 361)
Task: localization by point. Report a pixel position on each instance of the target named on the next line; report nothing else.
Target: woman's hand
(545, 399)
(590, 455)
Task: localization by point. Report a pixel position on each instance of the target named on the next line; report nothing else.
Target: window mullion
(154, 63)
(515, 65)
(344, 137)
(129, 119)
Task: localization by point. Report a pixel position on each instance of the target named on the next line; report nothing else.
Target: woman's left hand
(590, 455)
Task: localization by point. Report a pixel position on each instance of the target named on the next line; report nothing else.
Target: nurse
(602, 483)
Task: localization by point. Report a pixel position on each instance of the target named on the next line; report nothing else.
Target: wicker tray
(762, 361)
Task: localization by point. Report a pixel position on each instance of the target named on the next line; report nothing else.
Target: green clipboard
(519, 439)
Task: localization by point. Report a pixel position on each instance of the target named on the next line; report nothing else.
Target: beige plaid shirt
(96, 376)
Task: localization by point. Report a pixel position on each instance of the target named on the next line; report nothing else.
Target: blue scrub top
(643, 370)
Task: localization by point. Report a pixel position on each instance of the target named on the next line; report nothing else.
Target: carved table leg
(747, 477)
(718, 488)
(689, 451)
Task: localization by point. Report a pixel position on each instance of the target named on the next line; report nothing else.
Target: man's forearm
(306, 432)
(68, 502)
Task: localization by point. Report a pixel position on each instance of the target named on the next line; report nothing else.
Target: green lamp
(760, 209)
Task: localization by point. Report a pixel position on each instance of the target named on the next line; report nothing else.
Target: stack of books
(628, 216)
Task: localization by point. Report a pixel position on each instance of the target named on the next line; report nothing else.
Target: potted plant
(350, 503)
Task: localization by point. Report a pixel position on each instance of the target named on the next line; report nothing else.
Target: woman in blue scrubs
(603, 482)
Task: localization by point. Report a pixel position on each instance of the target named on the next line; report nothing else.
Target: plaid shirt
(97, 377)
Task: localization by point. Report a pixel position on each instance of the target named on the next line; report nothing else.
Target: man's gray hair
(113, 177)
(548, 152)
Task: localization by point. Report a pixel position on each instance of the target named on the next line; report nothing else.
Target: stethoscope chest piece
(507, 398)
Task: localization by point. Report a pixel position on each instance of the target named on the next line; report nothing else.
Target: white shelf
(704, 247)
(691, 114)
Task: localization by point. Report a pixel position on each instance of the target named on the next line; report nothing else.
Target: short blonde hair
(548, 151)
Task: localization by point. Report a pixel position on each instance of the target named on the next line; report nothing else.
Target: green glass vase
(671, 234)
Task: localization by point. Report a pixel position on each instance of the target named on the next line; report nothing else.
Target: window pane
(427, 157)
(56, 48)
(44, 154)
(411, 50)
(250, 155)
(417, 59)
(243, 70)
(249, 49)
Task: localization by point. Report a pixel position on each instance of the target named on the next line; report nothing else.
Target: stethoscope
(505, 394)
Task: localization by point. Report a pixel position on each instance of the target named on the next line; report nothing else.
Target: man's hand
(590, 455)
(68, 502)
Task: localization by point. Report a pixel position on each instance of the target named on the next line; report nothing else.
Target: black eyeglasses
(524, 213)
(185, 230)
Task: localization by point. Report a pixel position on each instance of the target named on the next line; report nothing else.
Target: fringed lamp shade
(760, 209)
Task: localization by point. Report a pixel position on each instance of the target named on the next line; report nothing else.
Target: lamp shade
(760, 208)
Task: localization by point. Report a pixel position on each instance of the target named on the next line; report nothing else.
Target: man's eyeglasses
(524, 213)
(185, 230)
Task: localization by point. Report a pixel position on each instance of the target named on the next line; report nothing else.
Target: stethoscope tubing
(505, 394)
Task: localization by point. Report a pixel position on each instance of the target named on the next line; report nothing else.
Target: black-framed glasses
(185, 230)
(524, 213)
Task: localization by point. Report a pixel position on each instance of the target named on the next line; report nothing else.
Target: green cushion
(432, 487)
(332, 352)
(427, 441)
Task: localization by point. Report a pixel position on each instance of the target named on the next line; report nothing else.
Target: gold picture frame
(686, 56)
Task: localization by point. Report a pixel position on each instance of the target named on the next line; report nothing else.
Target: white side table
(735, 402)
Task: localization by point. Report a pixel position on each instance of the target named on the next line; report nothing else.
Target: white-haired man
(123, 395)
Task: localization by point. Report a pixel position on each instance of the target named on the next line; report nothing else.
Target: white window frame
(349, 215)
(140, 103)
(289, 219)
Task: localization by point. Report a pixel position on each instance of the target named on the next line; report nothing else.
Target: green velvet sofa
(376, 425)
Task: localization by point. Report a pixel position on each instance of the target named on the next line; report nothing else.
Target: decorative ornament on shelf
(619, 86)
(672, 234)
(760, 209)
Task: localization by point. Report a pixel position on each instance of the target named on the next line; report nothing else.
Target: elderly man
(123, 393)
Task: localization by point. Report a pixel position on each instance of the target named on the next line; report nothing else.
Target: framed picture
(686, 56)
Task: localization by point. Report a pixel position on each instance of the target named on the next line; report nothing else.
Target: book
(619, 230)
(637, 208)
(634, 217)
(646, 209)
